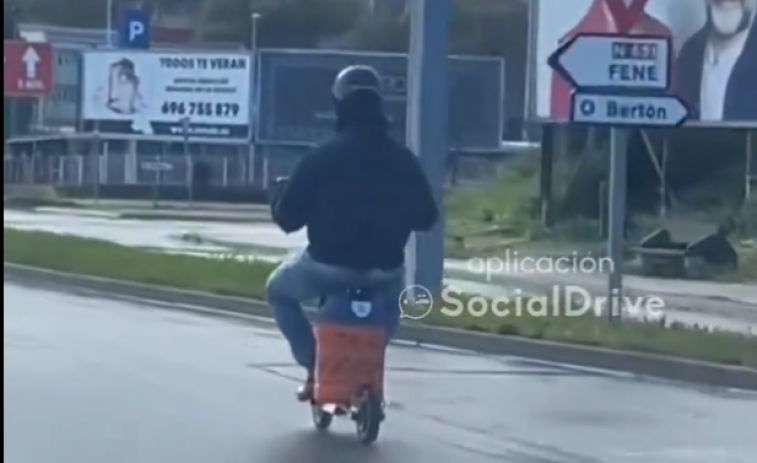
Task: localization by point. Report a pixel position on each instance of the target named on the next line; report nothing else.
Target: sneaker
(306, 392)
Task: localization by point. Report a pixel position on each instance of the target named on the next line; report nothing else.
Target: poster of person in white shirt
(717, 66)
(715, 49)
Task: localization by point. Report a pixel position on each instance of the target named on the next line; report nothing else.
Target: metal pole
(157, 169)
(109, 23)
(664, 177)
(254, 39)
(603, 210)
(617, 218)
(95, 164)
(105, 163)
(254, 18)
(14, 130)
(546, 177)
(190, 165)
(427, 110)
(266, 172)
(33, 167)
(749, 163)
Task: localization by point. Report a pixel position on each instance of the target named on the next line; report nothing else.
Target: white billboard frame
(537, 62)
(223, 94)
(258, 78)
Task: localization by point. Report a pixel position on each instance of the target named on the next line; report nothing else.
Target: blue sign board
(134, 30)
(295, 105)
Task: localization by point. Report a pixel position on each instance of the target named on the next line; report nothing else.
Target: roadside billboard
(715, 64)
(167, 95)
(295, 106)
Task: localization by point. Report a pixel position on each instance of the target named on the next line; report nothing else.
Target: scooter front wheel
(321, 418)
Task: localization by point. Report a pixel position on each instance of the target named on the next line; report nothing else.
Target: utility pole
(252, 157)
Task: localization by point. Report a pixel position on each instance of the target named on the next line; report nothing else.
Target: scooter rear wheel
(370, 415)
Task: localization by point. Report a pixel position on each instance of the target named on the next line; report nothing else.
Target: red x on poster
(27, 69)
(626, 13)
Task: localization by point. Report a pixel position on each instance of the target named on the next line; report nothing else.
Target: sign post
(620, 80)
(158, 167)
(95, 163)
(188, 159)
(750, 166)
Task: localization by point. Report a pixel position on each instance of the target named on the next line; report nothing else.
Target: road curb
(166, 217)
(634, 363)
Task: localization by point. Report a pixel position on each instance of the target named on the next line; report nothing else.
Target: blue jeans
(300, 279)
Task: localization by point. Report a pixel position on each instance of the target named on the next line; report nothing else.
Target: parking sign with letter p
(134, 30)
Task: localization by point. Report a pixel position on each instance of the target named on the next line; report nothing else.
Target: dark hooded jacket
(360, 195)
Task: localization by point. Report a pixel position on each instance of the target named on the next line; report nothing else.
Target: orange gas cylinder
(349, 360)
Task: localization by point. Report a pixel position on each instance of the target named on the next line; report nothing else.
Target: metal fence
(226, 170)
(118, 169)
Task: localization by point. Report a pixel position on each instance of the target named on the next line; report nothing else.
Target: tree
(383, 35)
(10, 25)
(70, 13)
(304, 23)
(293, 23)
(471, 32)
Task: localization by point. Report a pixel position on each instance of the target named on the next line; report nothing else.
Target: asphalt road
(91, 380)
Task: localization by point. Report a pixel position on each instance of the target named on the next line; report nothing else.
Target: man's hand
(294, 195)
(276, 190)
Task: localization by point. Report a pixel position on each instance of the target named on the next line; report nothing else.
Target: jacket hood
(362, 111)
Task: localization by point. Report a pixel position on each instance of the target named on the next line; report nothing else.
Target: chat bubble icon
(416, 302)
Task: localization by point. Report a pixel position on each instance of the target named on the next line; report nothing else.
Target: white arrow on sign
(31, 60)
(628, 110)
(612, 60)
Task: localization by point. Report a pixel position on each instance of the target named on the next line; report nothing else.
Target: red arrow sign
(27, 69)
(626, 13)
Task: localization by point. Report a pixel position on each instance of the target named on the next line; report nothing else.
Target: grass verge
(503, 216)
(25, 202)
(230, 277)
(485, 221)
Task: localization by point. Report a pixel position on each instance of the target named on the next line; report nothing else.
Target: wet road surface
(92, 380)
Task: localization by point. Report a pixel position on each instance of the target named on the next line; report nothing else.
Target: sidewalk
(145, 211)
(711, 291)
(716, 305)
(169, 205)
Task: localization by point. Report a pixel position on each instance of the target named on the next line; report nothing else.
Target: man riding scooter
(360, 196)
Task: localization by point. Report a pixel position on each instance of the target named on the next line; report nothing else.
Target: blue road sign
(134, 30)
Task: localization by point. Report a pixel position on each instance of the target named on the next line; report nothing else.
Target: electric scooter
(350, 354)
